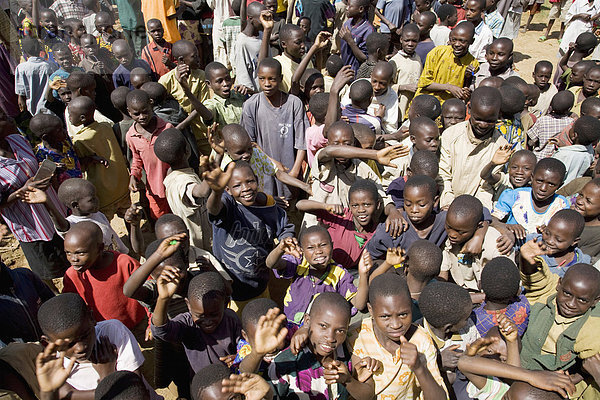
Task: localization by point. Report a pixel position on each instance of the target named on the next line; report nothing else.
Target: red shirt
(102, 290)
(153, 55)
(345, 238)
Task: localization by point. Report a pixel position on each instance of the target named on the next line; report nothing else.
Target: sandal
(542, 38)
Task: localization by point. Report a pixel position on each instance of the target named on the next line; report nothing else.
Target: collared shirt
(288, 67)
(305, 287)
(153, 55)
(483, 38)
(517, 311)
(484, 72)
(230, 29)
(69, 9)
(395, 380)
(31, 79)
(301, 377)
(144, 158)
(462, 158)
(408, 70)
(577, 158)
(462, 338)
(560, 325)
(443, 67)
(27, 222)
(73, 130)
(494, 21)
(226, 110)
(359, 34)
(544, 129)
(67, 156)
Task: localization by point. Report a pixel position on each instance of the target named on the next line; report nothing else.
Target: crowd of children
(298, 200)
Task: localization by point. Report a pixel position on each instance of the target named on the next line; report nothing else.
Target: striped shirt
(27, 222)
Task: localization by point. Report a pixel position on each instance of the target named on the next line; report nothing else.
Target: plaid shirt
(495, 21)
(545, 128)
(69, 9)
(518, 312)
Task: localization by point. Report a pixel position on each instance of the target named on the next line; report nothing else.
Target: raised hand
(49, 368)
(502, 155)
(336, 372)
(410, 354)
(32, 195)
(57, 84)
(168, 282)
(214, 176)
(217, 143)
(366, 368)
(365, 264)
(266, 19)
(299, 339)
(479, 345)
(345, 34)
(270, 332)
(322, 39)
(227, 360)
(336, 209)
(104, 357)
(380, 111)
(182, 73)
(343, 78)
(532, 249)
(386, 155)
(169, 245)
(252, 386)
(290, 246)
(134, 214)
(395, 256)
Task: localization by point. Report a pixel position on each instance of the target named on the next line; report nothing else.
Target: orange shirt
(161, 9)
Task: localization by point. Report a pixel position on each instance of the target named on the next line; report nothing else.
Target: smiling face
(220, 82)
(558, 237)
(268, 79)
(317, 249)
(392, 316)
(483, 119)
(239, 149)
(49, 21)
(243, 186)
(544, 184)
(418, 204)
(460, 230)
(460, 40)
(575, 295)
(327, 329)
(520, 170)
(207, 314)
(363, 206)
(588, 202)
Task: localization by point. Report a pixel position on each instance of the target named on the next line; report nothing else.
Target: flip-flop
(542, 38)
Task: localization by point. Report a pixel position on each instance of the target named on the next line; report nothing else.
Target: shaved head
(82, 105)
(466, 27)
(584, 273)
(505, 43)
(84, 232)
(384, 69)
(255, 8)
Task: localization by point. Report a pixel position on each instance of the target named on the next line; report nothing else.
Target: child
(333, 65)
(323, 360)
(107, 35)
(524, 209)
(231, 28)
(458, 142)
(578, 20)
(542, 75)
(50, 34)
(493, 18)
(585, 204)
(520, 170)
(440, 33)
(101, 157)
(32, 77)
(549, 126)
(361, 94)
(425, 21)
(138, 77)
(292, 43)
(314, 134)
(208, 331)
(483, 34)
(89, 20)
(97, 275)
(226, 104)
(377, 45)
(422, 162)
(64, 59)
(381, 80)
(444, 70)
(55, 145)
(498, 61)
(454, 111)
(406, 354)
(591, 84)
(500, 282)
(408, 68)
(124, 55)
(464, 216)
(75, 30)
(579, 156)
(313, 271)
(141, 138)
(97, 59)
(236, 216)
(350, 228)
(158, 54)
(118, 98)
(275, 111)
(106, 345)
(216, 381)
(583, 47)
(590, 107)
(354, 33)
(511, 125)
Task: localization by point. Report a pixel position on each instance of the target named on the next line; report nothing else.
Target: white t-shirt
(111, 240)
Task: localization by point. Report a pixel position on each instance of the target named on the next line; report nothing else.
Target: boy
(292, 43)
(158, 53)
(524, 209)
(551, 125)
(101, 157)
(75, 29)
(591, 107)
(493, 18)
(459, 167)
(97, 275)
(107, 35)
(138, 77)
(579, 156)
(249, 49)
(483, 34)
(97, 59)
(186, 56)
(425, 21)
(591, 84)
(422, 162)
(440, 33)
(405, 352)
(124, 55)
(236, 217)
(377, 45)
(64, 59)
(32, 77)
(585, 204)
(183, 188)
(542, 74)
(275, 111)
(50, 34)
(560, 238)
(209, 331)
(98, 348)
(464, 216)
(226, 104)
(321, 366)
(454, 111)
(354, 33)
(520, 170)
(408, 68)
(361, 94)
(313, 271)
(216, 382)
(314, 134)
(444, 70)
(141, 138)
(512, 124)
(498, 61)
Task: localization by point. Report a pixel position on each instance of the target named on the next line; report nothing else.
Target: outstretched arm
(343, 77)
(321, 41)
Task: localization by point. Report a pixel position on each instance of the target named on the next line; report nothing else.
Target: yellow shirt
(395, 380)
(408, 71)
(199, 88)
(560, 325)
(288, 67)
(576, 90)
(112, 182)
(462, 157)
(441, 66)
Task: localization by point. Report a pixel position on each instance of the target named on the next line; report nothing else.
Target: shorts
(119, 207)
(46, 259)
(559, 10)
(159, 206)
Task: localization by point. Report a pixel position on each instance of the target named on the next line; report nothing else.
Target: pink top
(314, 141)
(145, 159)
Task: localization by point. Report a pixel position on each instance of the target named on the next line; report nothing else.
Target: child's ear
(187, 303)
(244, 335)
(412, 139)
(576, 241)
(447, 328)
(436, 200)
(370, 308)
(207, 81)
(73, 205)
(44, 340)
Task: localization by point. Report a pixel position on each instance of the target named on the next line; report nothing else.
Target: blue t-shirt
(396, 11)
(552, 263)
(243, 238)
(121, 76)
